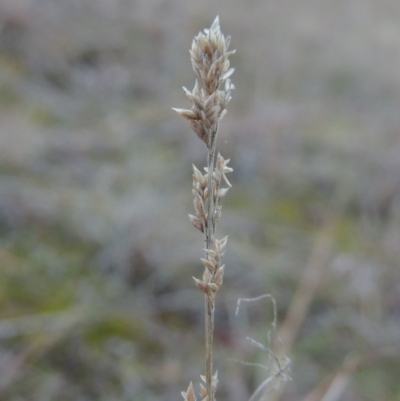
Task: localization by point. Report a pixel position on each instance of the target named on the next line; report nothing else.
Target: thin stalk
(210, 165)
(209, 309)
(209, 298)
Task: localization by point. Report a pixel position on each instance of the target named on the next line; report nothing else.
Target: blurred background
(97, 255)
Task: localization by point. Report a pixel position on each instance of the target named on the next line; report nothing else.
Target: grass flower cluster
(209, 97)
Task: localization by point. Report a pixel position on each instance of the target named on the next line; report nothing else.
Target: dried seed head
(210, 60)
(209, 98)
(209, 54)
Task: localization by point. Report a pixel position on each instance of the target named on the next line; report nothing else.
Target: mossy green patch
(286, 210)
(42, 267)
(8, 97)
(43, 116)
(110, 327)
(346, 235)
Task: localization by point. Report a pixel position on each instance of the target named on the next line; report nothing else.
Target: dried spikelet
(197, 187)
(202, 286)
(203, 391)
(207, 276)
(222, 167)
(219, 276)
(222, 192)
(205, 195)
(209, 55)
(215, 186)
(210, 253)
(222, 243)
(215, 381)
(199, 205)
(188, 114)
(196, 222)
(198, 127)
(217, 214)
(189, 395)
(197, 176)
(208, 264)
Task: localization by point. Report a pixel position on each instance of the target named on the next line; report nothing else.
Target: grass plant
(209, 97)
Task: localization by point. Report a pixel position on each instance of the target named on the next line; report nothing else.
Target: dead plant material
(210, 60)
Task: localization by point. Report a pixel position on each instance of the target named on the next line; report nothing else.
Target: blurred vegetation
(96, 253)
